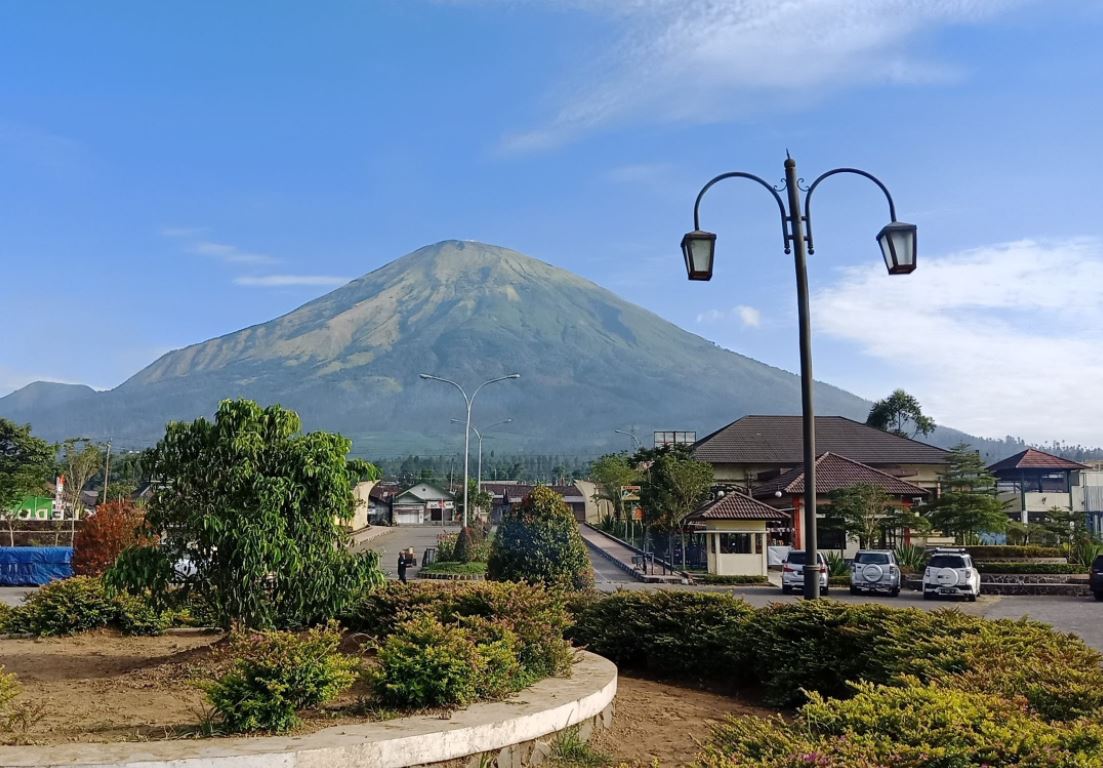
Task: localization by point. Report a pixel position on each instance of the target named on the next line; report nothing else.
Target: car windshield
(1098, 564)
(947, 561)
(872, 558)
(796, 558)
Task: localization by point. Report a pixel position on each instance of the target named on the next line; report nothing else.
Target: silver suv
(792, 572)
(875, 570)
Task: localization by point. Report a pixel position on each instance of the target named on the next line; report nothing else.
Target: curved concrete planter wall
(514, 732)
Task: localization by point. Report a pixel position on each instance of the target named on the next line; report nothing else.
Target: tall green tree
(81, 460)
(610, 474)
(967, 504)
(26, 464)
(255, 507)
(900, 414)
(860, 510)
(674, 485)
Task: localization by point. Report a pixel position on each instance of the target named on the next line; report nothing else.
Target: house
(1087, 494)
(736, 532)
(381, 503)
(504, 495)
(834, 472)
(755, 449)
(424, 503)
(1032, 482)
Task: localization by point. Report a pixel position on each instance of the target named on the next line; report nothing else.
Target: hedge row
(81, 604)
(1004, 551)
(1031, 568)
(790, 650)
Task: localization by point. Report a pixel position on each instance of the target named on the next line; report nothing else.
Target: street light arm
(821, 177)
(752, 177)
(491, 381)
(430, 377)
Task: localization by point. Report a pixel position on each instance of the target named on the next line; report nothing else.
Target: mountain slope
(348, 361)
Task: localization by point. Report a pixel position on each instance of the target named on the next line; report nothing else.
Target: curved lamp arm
(491, 381)
(821, 177)
(430, 377)
(752, 177)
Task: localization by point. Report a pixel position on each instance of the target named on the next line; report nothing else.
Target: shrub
(446, 546)
(64, 608)
(471, 546)
(908, 727)
(6, 613)
(497, 645)
(911, 558)
(1004, 551)
(712, 578)
(539, 543)
(276, 674)
(667, 633)
(427, 664)
(114, 527)
(135, 616)
(9, 689)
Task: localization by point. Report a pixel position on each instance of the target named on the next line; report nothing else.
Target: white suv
(950, 573)
(792, 572)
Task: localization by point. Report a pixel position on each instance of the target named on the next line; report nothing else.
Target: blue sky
(174, 171)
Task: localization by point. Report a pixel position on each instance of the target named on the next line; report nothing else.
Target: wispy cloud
(708, 60)
(998, 340)
(183, 232)
(748, 316)
(231, 254)
(282, 281)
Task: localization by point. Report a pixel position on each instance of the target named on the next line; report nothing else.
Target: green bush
(427, 664)
(276, 674)
(712, 578)
(1030, 568)
(6, 613)
(471, 545)
(667, 633)
(64, 607)
(1004, 551)
(446, 546)
(9, 689)
(540, 544)
(135, 616)
(905, 727)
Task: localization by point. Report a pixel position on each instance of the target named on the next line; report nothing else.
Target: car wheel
(971, 598)
(928, 595)
(1099, 596)
(825, 591)
(853, 590)
(895, 592)
(786, 590)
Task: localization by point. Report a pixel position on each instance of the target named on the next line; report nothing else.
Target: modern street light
(469, 401)
(898, 246)
(478, 434)
(632, 435)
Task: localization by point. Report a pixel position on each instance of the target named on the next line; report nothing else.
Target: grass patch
(570, 751)
(450, 566)
(711, 578)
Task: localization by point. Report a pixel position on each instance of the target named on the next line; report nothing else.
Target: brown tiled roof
(834, 472)
(737, 506)
(1032, 458)
(778, 440)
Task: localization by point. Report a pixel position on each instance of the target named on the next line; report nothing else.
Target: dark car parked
(1096, 578)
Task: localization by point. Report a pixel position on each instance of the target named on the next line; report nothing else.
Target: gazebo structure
(736, 531)
(834, 472)
(1032, 482)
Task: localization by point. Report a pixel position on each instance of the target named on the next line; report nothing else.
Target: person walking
(402, 565)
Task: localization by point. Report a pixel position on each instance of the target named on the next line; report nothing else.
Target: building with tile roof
(737, 533)
(1033, 482)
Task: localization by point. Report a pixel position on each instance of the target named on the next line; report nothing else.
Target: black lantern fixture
(897, 242)
(698, 248)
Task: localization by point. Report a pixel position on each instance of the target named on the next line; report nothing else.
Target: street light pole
(632, 435)
(478, 434)
(898, 247)
(468, 401)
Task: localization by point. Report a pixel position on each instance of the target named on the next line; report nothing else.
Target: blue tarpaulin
(34, 566)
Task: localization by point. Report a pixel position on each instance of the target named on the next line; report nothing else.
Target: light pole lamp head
(897, 241)
(698, 248)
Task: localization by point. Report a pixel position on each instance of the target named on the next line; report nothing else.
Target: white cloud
(231, 254)
(998, 340)
(282, 281)
(707, 60)
(748, 316)
(182, 232)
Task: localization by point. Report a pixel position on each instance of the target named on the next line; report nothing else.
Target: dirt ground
(664, 722)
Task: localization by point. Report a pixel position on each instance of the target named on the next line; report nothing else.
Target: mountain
(349, 361)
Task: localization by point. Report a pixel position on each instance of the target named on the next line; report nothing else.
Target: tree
(675, 485)
(26, 463)
(114, 527)
(81, 460)
(480, 501)
(539, 543)
(859, 510)
(967, 504)
(900, 414)
(610, 474)
(254, 507)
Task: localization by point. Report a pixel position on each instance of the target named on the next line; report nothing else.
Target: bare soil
(101, 686)
(665, 722)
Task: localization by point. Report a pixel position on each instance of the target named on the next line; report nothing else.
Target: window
(737, 544)
(948, 561)
(872, 558)
(829, 538)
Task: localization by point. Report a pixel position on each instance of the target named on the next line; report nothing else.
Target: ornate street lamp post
(898, 246)
(469, 401)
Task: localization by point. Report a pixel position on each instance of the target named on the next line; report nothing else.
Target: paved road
(420, 537)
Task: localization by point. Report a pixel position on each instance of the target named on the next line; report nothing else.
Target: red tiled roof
(779, 440)
(834, 472)
(737, 506)
(1032, 458)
